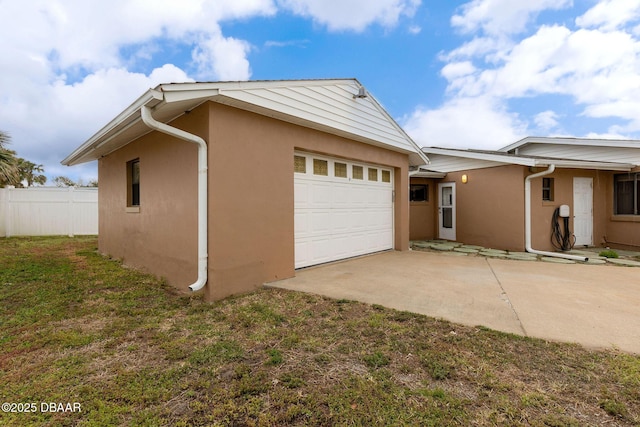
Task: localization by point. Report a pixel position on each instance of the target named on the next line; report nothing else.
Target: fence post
(7, 218)
(3, 212)
(70, 195)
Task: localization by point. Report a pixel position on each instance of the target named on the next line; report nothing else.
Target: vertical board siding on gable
(358, 116)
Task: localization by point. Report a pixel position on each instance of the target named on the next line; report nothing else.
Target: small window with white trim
(340, 170)
(547, 189)
(386, 176)
(133, 183)
(373, 174)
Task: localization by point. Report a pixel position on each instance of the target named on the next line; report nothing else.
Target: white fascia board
(498, 158)
(584, 164)
(426, 174)
(251, 84)
(530, 161)
(190, 95)
(616, 143)
(123, 121)
(379, 106)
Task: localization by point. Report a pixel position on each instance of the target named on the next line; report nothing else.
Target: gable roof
(451, 160)
(338, 106)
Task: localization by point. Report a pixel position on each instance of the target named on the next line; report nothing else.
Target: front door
(583, 211)
(447, 210)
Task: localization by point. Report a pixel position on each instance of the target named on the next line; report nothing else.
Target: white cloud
(610, 14)
(48, 125)
(65, 74)
(353, 15)
(502, 16)
(222, 58)
(465, 123)
(590, 65)
(596, 66)
(546, 121)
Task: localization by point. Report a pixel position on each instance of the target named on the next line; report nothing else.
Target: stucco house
(226, 186)
(490, 198)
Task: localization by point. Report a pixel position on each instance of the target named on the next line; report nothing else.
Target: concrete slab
(625, 262)
(596, 306)
(460, 289)
(466, 250)
(557, 260)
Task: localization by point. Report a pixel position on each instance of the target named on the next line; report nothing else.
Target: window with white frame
(626, 194)
(133, 183)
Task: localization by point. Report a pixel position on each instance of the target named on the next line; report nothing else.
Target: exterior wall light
(465, 178)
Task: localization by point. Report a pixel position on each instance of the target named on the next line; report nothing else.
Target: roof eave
(593, 142)
(531, 161)
(190, 95)
(123, 120)
(583, 164)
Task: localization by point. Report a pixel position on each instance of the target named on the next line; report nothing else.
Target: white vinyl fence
(42, 211)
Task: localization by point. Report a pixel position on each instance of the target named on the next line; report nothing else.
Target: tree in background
(8, 162)
(63, 181)
(29, 172)
(15, 170)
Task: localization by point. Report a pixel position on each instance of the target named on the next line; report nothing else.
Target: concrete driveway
(593, 305)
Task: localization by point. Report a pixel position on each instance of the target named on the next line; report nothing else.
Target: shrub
(609, 253)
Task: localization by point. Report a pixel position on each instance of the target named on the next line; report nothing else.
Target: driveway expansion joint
(505, 298)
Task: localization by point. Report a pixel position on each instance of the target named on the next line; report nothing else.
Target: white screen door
(447, 211)
(583, 211)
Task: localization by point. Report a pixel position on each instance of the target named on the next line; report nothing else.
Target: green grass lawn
(78, 328)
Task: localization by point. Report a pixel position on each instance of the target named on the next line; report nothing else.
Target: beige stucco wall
(422, 215)
(490, 207)
(542, 211)
(251, 206)
(161, 238)
(622, 231)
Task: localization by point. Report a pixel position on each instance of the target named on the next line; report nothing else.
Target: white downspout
(527, 219)
(148, 119)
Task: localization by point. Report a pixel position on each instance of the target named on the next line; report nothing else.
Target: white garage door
(342, 209)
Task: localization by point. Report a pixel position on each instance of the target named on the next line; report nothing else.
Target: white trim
(504, 159)
(203, 195)
(341, 217)
(616, 143)
(326, 105)
(443, 233)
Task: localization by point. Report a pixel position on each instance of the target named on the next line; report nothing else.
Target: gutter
(147, 118)
(527, 219)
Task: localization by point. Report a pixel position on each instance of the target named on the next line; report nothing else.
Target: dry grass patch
(76, 327)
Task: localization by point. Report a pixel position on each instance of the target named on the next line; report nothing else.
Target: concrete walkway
(593, 305)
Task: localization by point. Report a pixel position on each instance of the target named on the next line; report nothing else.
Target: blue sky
(469, 74)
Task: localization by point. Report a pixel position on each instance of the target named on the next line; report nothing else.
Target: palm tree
(8, 162)
(30, 172)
